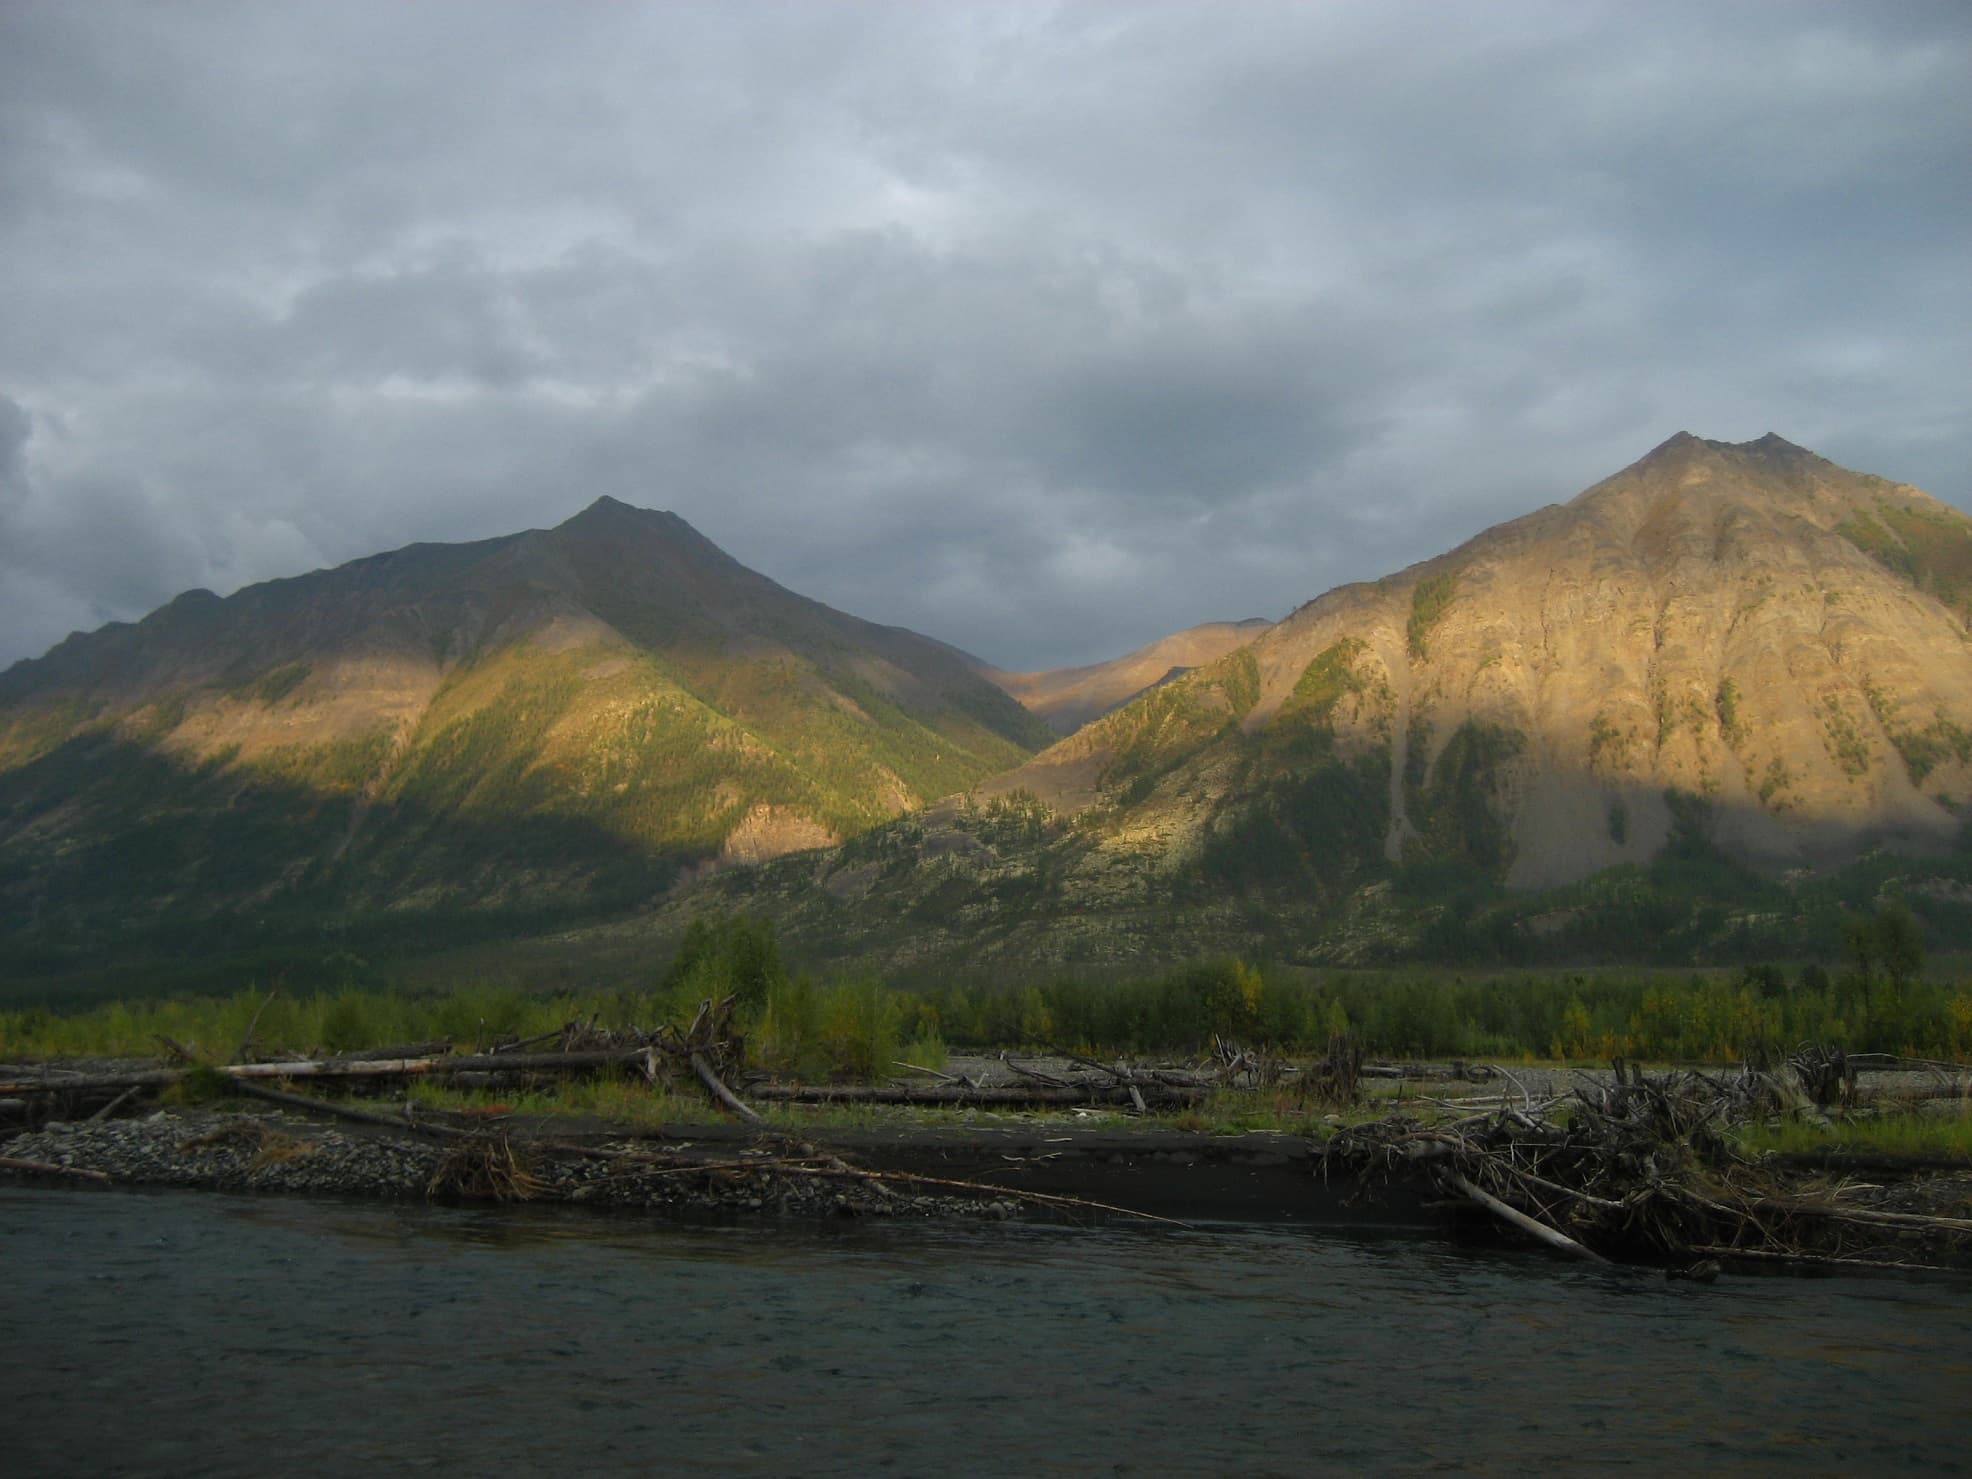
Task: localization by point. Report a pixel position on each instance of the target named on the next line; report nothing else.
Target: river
(186, 1333)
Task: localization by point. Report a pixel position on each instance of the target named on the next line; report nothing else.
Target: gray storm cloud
(1041, 329)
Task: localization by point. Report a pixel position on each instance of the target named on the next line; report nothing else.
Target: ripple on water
(181, 1332)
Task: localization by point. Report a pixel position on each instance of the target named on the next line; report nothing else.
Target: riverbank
(1007, 1169)
(268, 1150)
(983, 1171)
(1611, 1165)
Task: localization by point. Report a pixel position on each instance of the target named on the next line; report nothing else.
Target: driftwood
(436, 1047)
(709, 1046)
(49, 1168)
(334, 1068)
(1516, 1218)
(246, 1038)
(939, 1074)
(330, 1109)
(1819, 1260)
(1037, 1094)
(1643, 1171)
(110, 1107)
(1043, 1198)
(1022, 1071)
(720, 1092)
(333, 1110)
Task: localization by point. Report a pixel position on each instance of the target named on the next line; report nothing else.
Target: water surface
(180, 1333)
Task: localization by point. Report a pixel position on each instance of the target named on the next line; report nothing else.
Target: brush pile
(1641, 1170)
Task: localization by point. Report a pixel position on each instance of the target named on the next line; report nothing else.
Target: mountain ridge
(607, 705)
(1611, 545)
(1735, 654)
(1726, 666)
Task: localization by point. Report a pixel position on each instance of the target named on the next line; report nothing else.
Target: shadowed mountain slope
(488, 726)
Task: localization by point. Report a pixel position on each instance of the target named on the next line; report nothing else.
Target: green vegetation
(1430, 598)
(1727, 705)
(541, 790)
(1327, 679)
(734, 956)
(1922, 750)
(1311, 817)
(1842, 739)
(1885, 1134)
(1775, 783)
(858, 1025)
(1158, 731)
(1319, 828)
(275, 684)
(1930, 548)
(1609, 747)
(342, 765)
(1456, 810)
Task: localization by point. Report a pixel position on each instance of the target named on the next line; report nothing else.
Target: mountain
(1720, 675)
(1067, 698)
(524, 729)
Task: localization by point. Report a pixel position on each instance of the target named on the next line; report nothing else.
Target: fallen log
(110, 1108)
(1035, 1074)
(435, 1047)
(1038, 1094)
(912, 1178)
(1818, 1260)
(721, 1093)
(1866, 1215)
(1917, 1094)
(332, 1110)
(1553, 1237)
(940, 1075)
(49, 1168)
(337, 1068)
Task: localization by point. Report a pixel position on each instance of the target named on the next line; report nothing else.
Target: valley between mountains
(1696, 713)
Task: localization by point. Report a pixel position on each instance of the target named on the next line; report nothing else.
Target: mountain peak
(1685, 444)
(1769, 465)
(607, 507)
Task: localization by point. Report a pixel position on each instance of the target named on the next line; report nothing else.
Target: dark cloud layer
(1042, 329)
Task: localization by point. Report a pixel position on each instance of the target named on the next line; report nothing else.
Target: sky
(1041, 329)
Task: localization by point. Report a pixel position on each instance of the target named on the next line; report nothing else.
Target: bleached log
(721, 1093)
(961, 1094)
(1553, 1237)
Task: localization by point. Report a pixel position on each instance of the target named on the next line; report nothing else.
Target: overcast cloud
(1041, 329)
